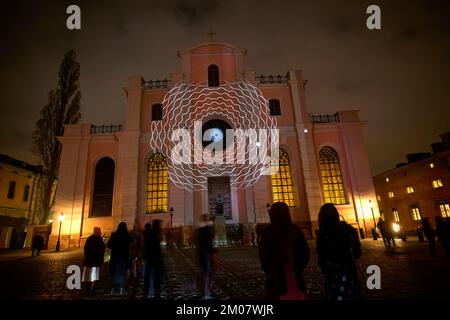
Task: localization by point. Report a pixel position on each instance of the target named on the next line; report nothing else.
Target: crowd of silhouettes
(282, 249)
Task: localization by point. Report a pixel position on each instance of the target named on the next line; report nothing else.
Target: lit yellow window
(282, 181)
(409, 189)
(444, 208)
(387, 179)
(395, 215)
(330, 170)
(390, 194)
(157, 184)
(431, 165)
(378, 198)
(437, 183)
(415, 212)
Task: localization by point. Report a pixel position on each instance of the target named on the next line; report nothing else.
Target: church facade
(110, 174)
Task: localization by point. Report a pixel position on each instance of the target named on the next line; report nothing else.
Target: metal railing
(272, 79)
(327, 118)
(150, 84)
(106, 129)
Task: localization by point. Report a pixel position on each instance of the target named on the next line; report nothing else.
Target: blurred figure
(338, 247)
(119, 243)
(37, 244)
(429, 234)
(153, 259)
(136, 250)
(386, 233)
(442, 232)
(284, 254)
(206, 255)
(94, 252)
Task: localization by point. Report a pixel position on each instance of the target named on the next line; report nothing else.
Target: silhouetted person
(386, 233)
(37, 244)
(119, 243)
(429, 234)
(136, 250)
(284, 254)
(338, 247)
(443, 234)
(94, 252)
(206, 256)
(153, 259)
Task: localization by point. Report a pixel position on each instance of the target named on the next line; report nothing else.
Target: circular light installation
(239, 104)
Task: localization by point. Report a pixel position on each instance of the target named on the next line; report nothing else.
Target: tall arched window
(213, 76)
(157, 184)
(102, 196)
(282, 181)
(274, 107)
(157, 111)
(333, 186)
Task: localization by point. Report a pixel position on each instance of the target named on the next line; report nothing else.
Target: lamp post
(374, 229)
(58, 243)
(171, 226)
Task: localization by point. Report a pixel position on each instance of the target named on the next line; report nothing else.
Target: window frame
(330, 164)
(159, 185)
(283, 188)
(213, 76)
(274, 107)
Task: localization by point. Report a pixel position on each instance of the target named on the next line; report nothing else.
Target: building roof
(19, 163)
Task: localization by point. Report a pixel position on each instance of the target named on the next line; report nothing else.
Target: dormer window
(213, 76)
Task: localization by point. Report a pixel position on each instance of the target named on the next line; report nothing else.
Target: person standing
(443, 235)
(429, 234)
(37, 244)
(382, 226)
(120, 262)
(153, 259)
(94, 252)
(338, 248)
(206, 256)
(284, 254)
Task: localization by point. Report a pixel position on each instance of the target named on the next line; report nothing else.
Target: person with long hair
(338, 247)
(284, 254)
(120, 262)
(94, 251)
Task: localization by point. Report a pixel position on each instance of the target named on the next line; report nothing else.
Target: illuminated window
(387, 179)
(437, 183)
(102, 197)
(395, 215)
(274, 107)
(157, 184)
(378, 198)
(409, 190)
(390, 194)
(282, 181)
(213, 76)
(157, 111)
(415, 212)
(444, 208)
(431, 165)
(333, 186)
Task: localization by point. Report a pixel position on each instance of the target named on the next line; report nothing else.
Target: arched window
(102, 197)
(157, 184)
(157, 111)
(274, 107)
(213, 76)
(333, 186)
(282, 181)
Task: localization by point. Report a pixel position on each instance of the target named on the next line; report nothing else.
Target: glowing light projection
(250, 139)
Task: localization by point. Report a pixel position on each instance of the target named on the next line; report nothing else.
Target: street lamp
(171, 226)
(58, 243)
(374, 229)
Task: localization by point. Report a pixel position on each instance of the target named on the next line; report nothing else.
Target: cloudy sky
(398, 77)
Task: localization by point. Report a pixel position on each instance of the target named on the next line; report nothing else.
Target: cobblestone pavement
(407, 271)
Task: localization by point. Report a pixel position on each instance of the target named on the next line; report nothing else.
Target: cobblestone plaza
(407, 272)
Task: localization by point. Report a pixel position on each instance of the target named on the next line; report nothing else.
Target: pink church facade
(109, 174)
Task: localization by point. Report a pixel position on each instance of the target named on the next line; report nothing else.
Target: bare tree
(63, 107)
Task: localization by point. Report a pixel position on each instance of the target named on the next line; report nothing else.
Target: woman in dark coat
(338, 247)
(429, 234)
(94, 252)
(120, 262)
(153, 259)
(284, 254)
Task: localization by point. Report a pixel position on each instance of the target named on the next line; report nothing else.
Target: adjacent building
(18, 180)
(110, 174)
(416, 189)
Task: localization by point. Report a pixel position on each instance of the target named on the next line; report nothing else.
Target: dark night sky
(397, 77)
